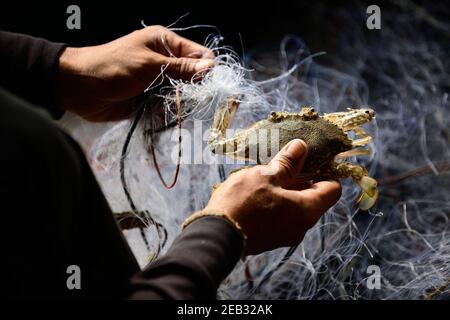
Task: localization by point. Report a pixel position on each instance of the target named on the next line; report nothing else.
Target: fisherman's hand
(268, 204)
(99, 82)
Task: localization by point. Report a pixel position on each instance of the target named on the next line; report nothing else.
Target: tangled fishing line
(406, 236)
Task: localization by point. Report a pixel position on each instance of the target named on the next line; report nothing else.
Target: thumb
(288, 163)
(186, 68)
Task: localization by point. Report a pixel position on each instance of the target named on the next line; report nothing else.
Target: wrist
(207, 212)
(70, 66)
(66, 69)
(72, 80)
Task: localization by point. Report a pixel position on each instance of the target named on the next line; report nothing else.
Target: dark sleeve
(193, 268)
(28, 68)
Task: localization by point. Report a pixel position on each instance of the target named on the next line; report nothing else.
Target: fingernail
(204, 64)
(296, 148)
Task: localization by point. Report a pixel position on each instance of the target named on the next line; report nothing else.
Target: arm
(98, 83)
(28, 67)
(199, 259)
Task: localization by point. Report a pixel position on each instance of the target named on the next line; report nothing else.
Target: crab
(325, 135)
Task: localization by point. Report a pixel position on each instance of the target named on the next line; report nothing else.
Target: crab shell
(324, 140)
(325, 137)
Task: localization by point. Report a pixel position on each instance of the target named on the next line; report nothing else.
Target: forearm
(28, 67)
(193, 268)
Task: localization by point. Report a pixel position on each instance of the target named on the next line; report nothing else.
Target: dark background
(259, 23)
(247, 26)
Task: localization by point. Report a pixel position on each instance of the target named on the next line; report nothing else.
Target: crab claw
(369, 194)
(368, 185)
(365, 202)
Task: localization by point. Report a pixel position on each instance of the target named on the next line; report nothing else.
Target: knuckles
(286, 166)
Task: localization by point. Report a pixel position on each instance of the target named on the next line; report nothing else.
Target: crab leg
(362, 141)
(352, 153)
(351, 119)
(368, 184)
(360, 132)
(222, 119)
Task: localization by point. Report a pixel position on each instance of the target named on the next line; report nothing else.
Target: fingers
(288, 163)
(189, 58)
(183, 47)
(186, 68)
(168, 43)
(319, 197)
(328, 192)
(184, 58)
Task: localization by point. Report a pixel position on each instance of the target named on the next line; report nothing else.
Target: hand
(273, 210)
(99, 82)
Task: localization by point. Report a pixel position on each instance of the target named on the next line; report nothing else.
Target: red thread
(177, 170)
